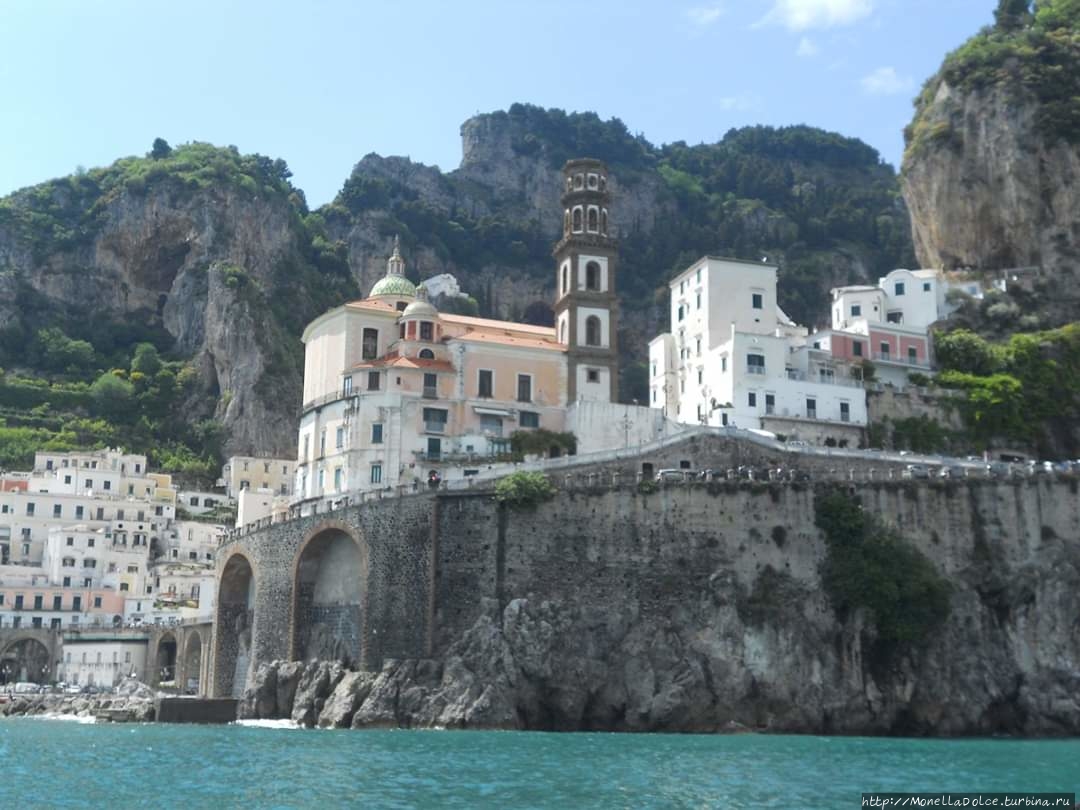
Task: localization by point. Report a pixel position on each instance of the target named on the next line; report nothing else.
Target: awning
(492, 411)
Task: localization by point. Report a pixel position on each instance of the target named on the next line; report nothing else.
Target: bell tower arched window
(577, 220)
(592, 276)
(592, 331)
(565, 280)
(566, 222)
(603, 221)
(594, 221)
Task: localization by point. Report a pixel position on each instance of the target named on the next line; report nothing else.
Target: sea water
(49, 764)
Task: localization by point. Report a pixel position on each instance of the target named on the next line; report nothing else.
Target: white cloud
(703, 16)
(885, 81)
(740, 103)
(806, 47)
(800, 15)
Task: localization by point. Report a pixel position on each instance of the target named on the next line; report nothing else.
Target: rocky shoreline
(134, 703)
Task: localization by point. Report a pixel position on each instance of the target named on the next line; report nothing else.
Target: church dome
(393, 285)
(421, 308)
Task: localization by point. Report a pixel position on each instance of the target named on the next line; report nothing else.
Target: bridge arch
(25, 658)
(329, 578)
(165, 660)
(234, 625)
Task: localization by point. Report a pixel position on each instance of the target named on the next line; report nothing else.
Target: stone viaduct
(405, 577)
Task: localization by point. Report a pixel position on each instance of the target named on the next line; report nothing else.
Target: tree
(1011, 15)
(967, 352)
(112, 396)
(146, 360)
(161, 149)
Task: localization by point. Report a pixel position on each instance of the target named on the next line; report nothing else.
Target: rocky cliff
(992, 164)
(705, 609)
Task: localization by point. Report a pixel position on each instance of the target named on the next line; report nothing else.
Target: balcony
(434, 427)
(879, 357)
(759, 370)
(430, 392)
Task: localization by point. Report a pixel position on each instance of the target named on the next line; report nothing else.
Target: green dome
(393, 285)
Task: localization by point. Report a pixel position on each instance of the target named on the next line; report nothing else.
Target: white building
(255, 472)
(734, 358)
(102, 658)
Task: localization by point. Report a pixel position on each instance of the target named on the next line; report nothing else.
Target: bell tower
(585, 305)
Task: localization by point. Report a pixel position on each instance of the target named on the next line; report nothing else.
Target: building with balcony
(396, 391)
(733, 357)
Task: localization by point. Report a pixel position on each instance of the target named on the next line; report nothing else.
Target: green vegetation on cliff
(1025, 390)
(870, 567)
(1032, 50)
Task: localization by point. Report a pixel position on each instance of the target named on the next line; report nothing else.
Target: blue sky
(321, 83)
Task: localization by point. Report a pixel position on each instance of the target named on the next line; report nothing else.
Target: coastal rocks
(351, 692)
(319, 680)
(132, 708)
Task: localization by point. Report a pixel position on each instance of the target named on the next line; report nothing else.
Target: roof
(507, 338)
(856, 288)
(393, 285)
(707, 258)
(488, 323)
(407, 362)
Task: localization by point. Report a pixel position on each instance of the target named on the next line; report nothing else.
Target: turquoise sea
(59, 764)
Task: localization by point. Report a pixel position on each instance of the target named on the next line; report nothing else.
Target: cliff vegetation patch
(869, 566)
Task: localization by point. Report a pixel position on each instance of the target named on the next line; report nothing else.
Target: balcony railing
(434, 427)
(756, 370)
(430, 392)
(880, 357)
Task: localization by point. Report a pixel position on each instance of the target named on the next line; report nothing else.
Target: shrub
(524, 489)
(869, 566)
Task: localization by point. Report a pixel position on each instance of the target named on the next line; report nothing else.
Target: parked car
(916, 471)
(670, 475)
(1040, 468)
(1001, 469)
(951, 471)
(26, 688)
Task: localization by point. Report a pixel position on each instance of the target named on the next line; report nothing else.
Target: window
(884, 350)
(38, 600)
(30, 509)
(757, 301)
(856, 348)
(426, 354)
(339, 438)
(106, 485)
(322, 447)
(699, 299)
(593, 220)
(369, 345)
(322, 479)
(755, 364)
(845, 412)
(89, 542)
(18, 601)
(119, 514)
(566, 279)
(431, 386)
(68, 562)
(57, 602)
(67, 479)
(485, 383)
(376, 433)
(811, 408)
(78, 512)
(926, 286)
(434, 449)
(699, 347)
(770, 404)
(88, 483)
(577, 220)
(376, 473)
(856, 310)
(373, 381)
(751, 399)
(76, 603)
(592, 272)
(529, 419)
(723, 419)
(346, 387)
(89, 562)
(592, 375)
(66, 581)
(895, 317)
(71, 541)
(524, 388)
(592, 331)
(307, 447)
(435, 420)
(700, 376)
(899, 288)
(912, 355)
(723, 364)
(337, 488)
(680, 312)
(427, 330)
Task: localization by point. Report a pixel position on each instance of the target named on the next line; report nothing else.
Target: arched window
(427, 354)
(401, 330)
(565, 280)
(594, 221)
(603, 182)
(577, 220)
(592, 331)
(427, 330)
(579, 181)
(592, 276)
(603, 221)
(566, 221)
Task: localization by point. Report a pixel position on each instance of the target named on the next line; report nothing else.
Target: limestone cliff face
(988, 189)
(156, 257)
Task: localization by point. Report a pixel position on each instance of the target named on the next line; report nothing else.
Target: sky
(321, 83)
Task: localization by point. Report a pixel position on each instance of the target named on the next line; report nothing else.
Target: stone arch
(192, 664)
(165, 660)
(234, 625)
(329, 595)
(25, 658)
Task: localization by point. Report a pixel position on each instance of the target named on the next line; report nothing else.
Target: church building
(396, 392)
